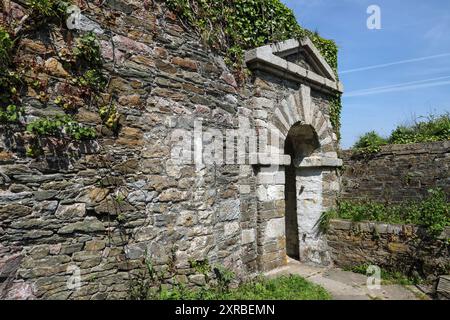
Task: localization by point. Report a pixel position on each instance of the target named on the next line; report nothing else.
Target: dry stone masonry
(93, 211)
(393, 247)
(397, 173)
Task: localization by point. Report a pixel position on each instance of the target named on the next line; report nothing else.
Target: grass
(283, 288)
(290, 287)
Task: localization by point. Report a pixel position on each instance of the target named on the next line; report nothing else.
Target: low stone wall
(396, 173)
(394, 247)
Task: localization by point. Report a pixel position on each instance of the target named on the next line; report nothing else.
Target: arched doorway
(301, 142)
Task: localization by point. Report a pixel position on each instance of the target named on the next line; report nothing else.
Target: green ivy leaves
(58, 125)
(11, 114)
(43, 10)
(87, 50)
(6, 45)
(233, 26)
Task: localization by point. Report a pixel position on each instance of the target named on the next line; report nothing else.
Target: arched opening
(301, 142)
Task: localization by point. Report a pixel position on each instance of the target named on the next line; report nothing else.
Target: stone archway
(291, 188)
(296, 176)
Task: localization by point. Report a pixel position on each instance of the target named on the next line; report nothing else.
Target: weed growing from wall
(433, 212)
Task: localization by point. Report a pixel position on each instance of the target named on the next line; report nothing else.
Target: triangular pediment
(295, 60)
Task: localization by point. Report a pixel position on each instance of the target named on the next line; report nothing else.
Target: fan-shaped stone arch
(299, 108)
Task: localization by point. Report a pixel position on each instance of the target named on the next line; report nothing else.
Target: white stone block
(275, 192)
(244, 189)
(248, 236)
(260, 114)
(275, 228)
(231, 228)
(261, 193)
(271, 178)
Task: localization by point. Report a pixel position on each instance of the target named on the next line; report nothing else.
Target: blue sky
(415, 33)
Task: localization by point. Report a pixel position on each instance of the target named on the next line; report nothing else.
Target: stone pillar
(248, 223)
(271, 224)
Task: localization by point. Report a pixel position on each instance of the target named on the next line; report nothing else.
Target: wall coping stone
(381, 227)
(404, 149)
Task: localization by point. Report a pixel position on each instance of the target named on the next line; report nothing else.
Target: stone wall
(96, 209)
(101, 206)
(393, 247)
(396, 173)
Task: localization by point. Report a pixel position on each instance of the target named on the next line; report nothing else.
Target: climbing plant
(233, 26)
(82, 62)
(61, 125)
(42, 11)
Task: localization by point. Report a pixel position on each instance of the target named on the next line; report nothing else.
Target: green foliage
(200, 266)
(33, 151)
(9, 87)
(6, 45)
(335, 114)
(238, 25)
(9, 80)
(291, 287)
(151, 286)
(434, 128)
(433, 212)
(46, 127)
(87, 50)
(79, 132)
(370, 142)
(324, 221)
(11, 114)
(233, 26)
(58, 125)
(224, 278)
(44, 10)
(93, 79)
(110, 117)
(89, 62)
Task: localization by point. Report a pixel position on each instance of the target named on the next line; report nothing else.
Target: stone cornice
(270, 59)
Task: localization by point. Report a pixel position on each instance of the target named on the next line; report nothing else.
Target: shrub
(370, 142)
(434, 128)
(435, 212)
(432, 212)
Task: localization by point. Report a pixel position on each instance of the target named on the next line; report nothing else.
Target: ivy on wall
(234, 26)
(84, 86)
